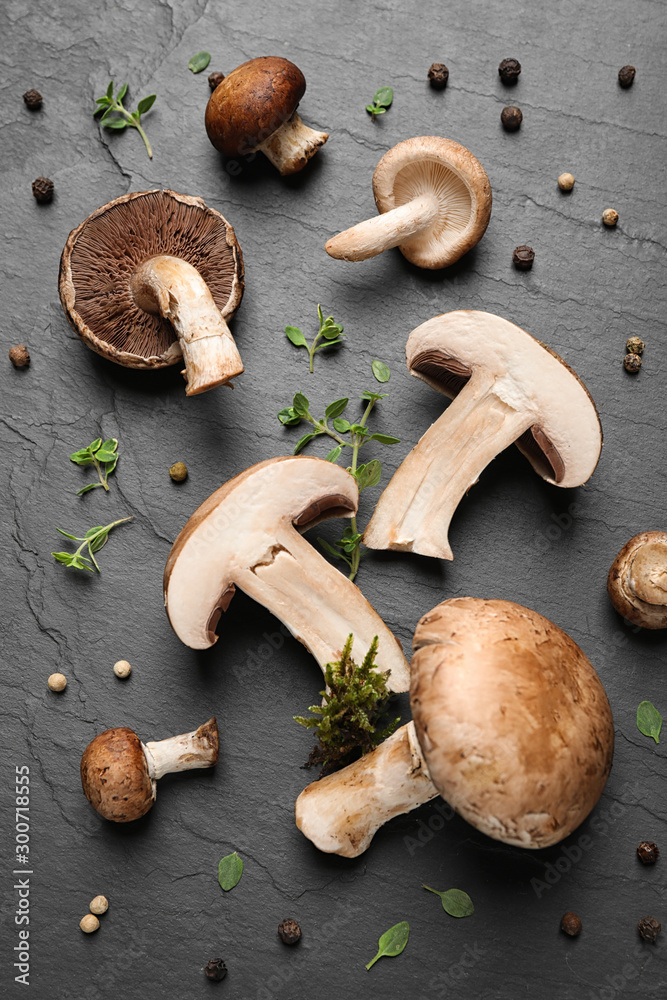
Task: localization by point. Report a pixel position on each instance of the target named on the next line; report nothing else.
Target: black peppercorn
(511, 117)
(635, 345)
(649, 928)
(509, 70)
(33, 99)
(290, 932)
(438, 75)
(570, 924)
(215, 79)
(42, 189)
(648, 852)
(523, 258)
(216, 970)
(19, 356)
(632, 363)
(626, 76)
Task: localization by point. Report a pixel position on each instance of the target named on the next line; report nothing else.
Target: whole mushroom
(434, 200)
(119, 773)
(254, 107)
(511, 725)
(637, 580)
(151, 279)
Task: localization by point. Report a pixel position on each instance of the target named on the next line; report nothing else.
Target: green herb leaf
(336, 408)
(113, 105)
(371, 109)
(145, 104)
(87, 489)
(83, 457)
(372, 396)
(332, 332)
(230, 870)
(300, 404)
(649, 720)
(294, 334)
(302, 442)
(338, 555)
(288, 416)
(392, 942)
(455, 902)
(381, 371)
(199, 62)
(341, 425)
(383, 97)
(93, 540)
(334, 454)
(109, 93)
(117, 123)
(385, 439)
(121, 93)
(369, 474)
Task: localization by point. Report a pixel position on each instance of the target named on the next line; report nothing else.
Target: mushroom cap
(637, 581)
(512, 719)
(429, 164)
(102, 254)
(252, 102)
(114, 775)
(564, 443)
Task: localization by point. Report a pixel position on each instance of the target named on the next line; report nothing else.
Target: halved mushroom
(151, 279)
(511, 725)
(509, 388)
(248, 535)
(637, 581)
(119, 773)
(434, 200)
(255, 108)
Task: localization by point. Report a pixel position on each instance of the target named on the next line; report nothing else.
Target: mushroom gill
(432, 178)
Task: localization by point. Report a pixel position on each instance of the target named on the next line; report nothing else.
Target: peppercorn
(635, 345)
(523, 258)
(216, 970)
(290, 932)
(33, 99)
(566, 182)
(632, 363)
(509, 70)
(626, 76)
(42, 189)
(18, 355)
(98, 905)
(649, 928)
(89, 923)
(57, 682)
(511, 117)
(610, 216)
(570, 924)
(648, 852)
(178, 472)
(438, 75)
(122, 668)
(215, 79)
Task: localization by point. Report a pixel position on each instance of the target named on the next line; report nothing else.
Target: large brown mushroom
(434, 200)
(507, 388)
(151, 279)
(119, 773)
(637, 581)
(511, 725)
(255, 108)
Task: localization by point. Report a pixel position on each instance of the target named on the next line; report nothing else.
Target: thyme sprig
(113, 107)
(329, 333)
(93, 540)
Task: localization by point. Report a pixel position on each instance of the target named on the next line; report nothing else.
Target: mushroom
(509, 388)
(119, 773)
(255, 108)
(434, 200)
(511, 725)
(248, 534)
(637, 581)
(151, 279)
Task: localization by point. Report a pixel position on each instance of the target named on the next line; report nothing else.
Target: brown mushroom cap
(512, 719)
(637, 581)
(114, 775)
(102, 254)
(252, 102)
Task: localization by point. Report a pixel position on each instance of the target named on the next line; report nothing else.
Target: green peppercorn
(635, 345)
(178, 472)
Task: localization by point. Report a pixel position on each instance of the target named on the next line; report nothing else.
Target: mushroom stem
(416, 508)
(391, 229)
(292, 145)
(183, 753)
(172, 288)
(341, 813)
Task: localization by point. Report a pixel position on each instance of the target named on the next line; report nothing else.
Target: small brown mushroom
(511, 725)
(254, 107)
(119, 773)
(151, 279)
(434, 200)
(637, 581)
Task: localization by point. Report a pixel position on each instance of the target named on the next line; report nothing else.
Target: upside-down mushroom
(151, 279)
(511, 726)
(507, 388)
(637, 581)
(434, 200)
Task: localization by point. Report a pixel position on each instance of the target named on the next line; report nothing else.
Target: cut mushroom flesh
(508, 388)
(248, 534)
(637, 581)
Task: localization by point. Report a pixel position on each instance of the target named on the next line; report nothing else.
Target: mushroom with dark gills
(119, 773)
(151, 279)
(248, 534)
(511, 726)
(506, 388)
(637, 581)
(434, 200)
(255, 108)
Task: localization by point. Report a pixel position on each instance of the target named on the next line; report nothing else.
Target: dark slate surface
(513, 537)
